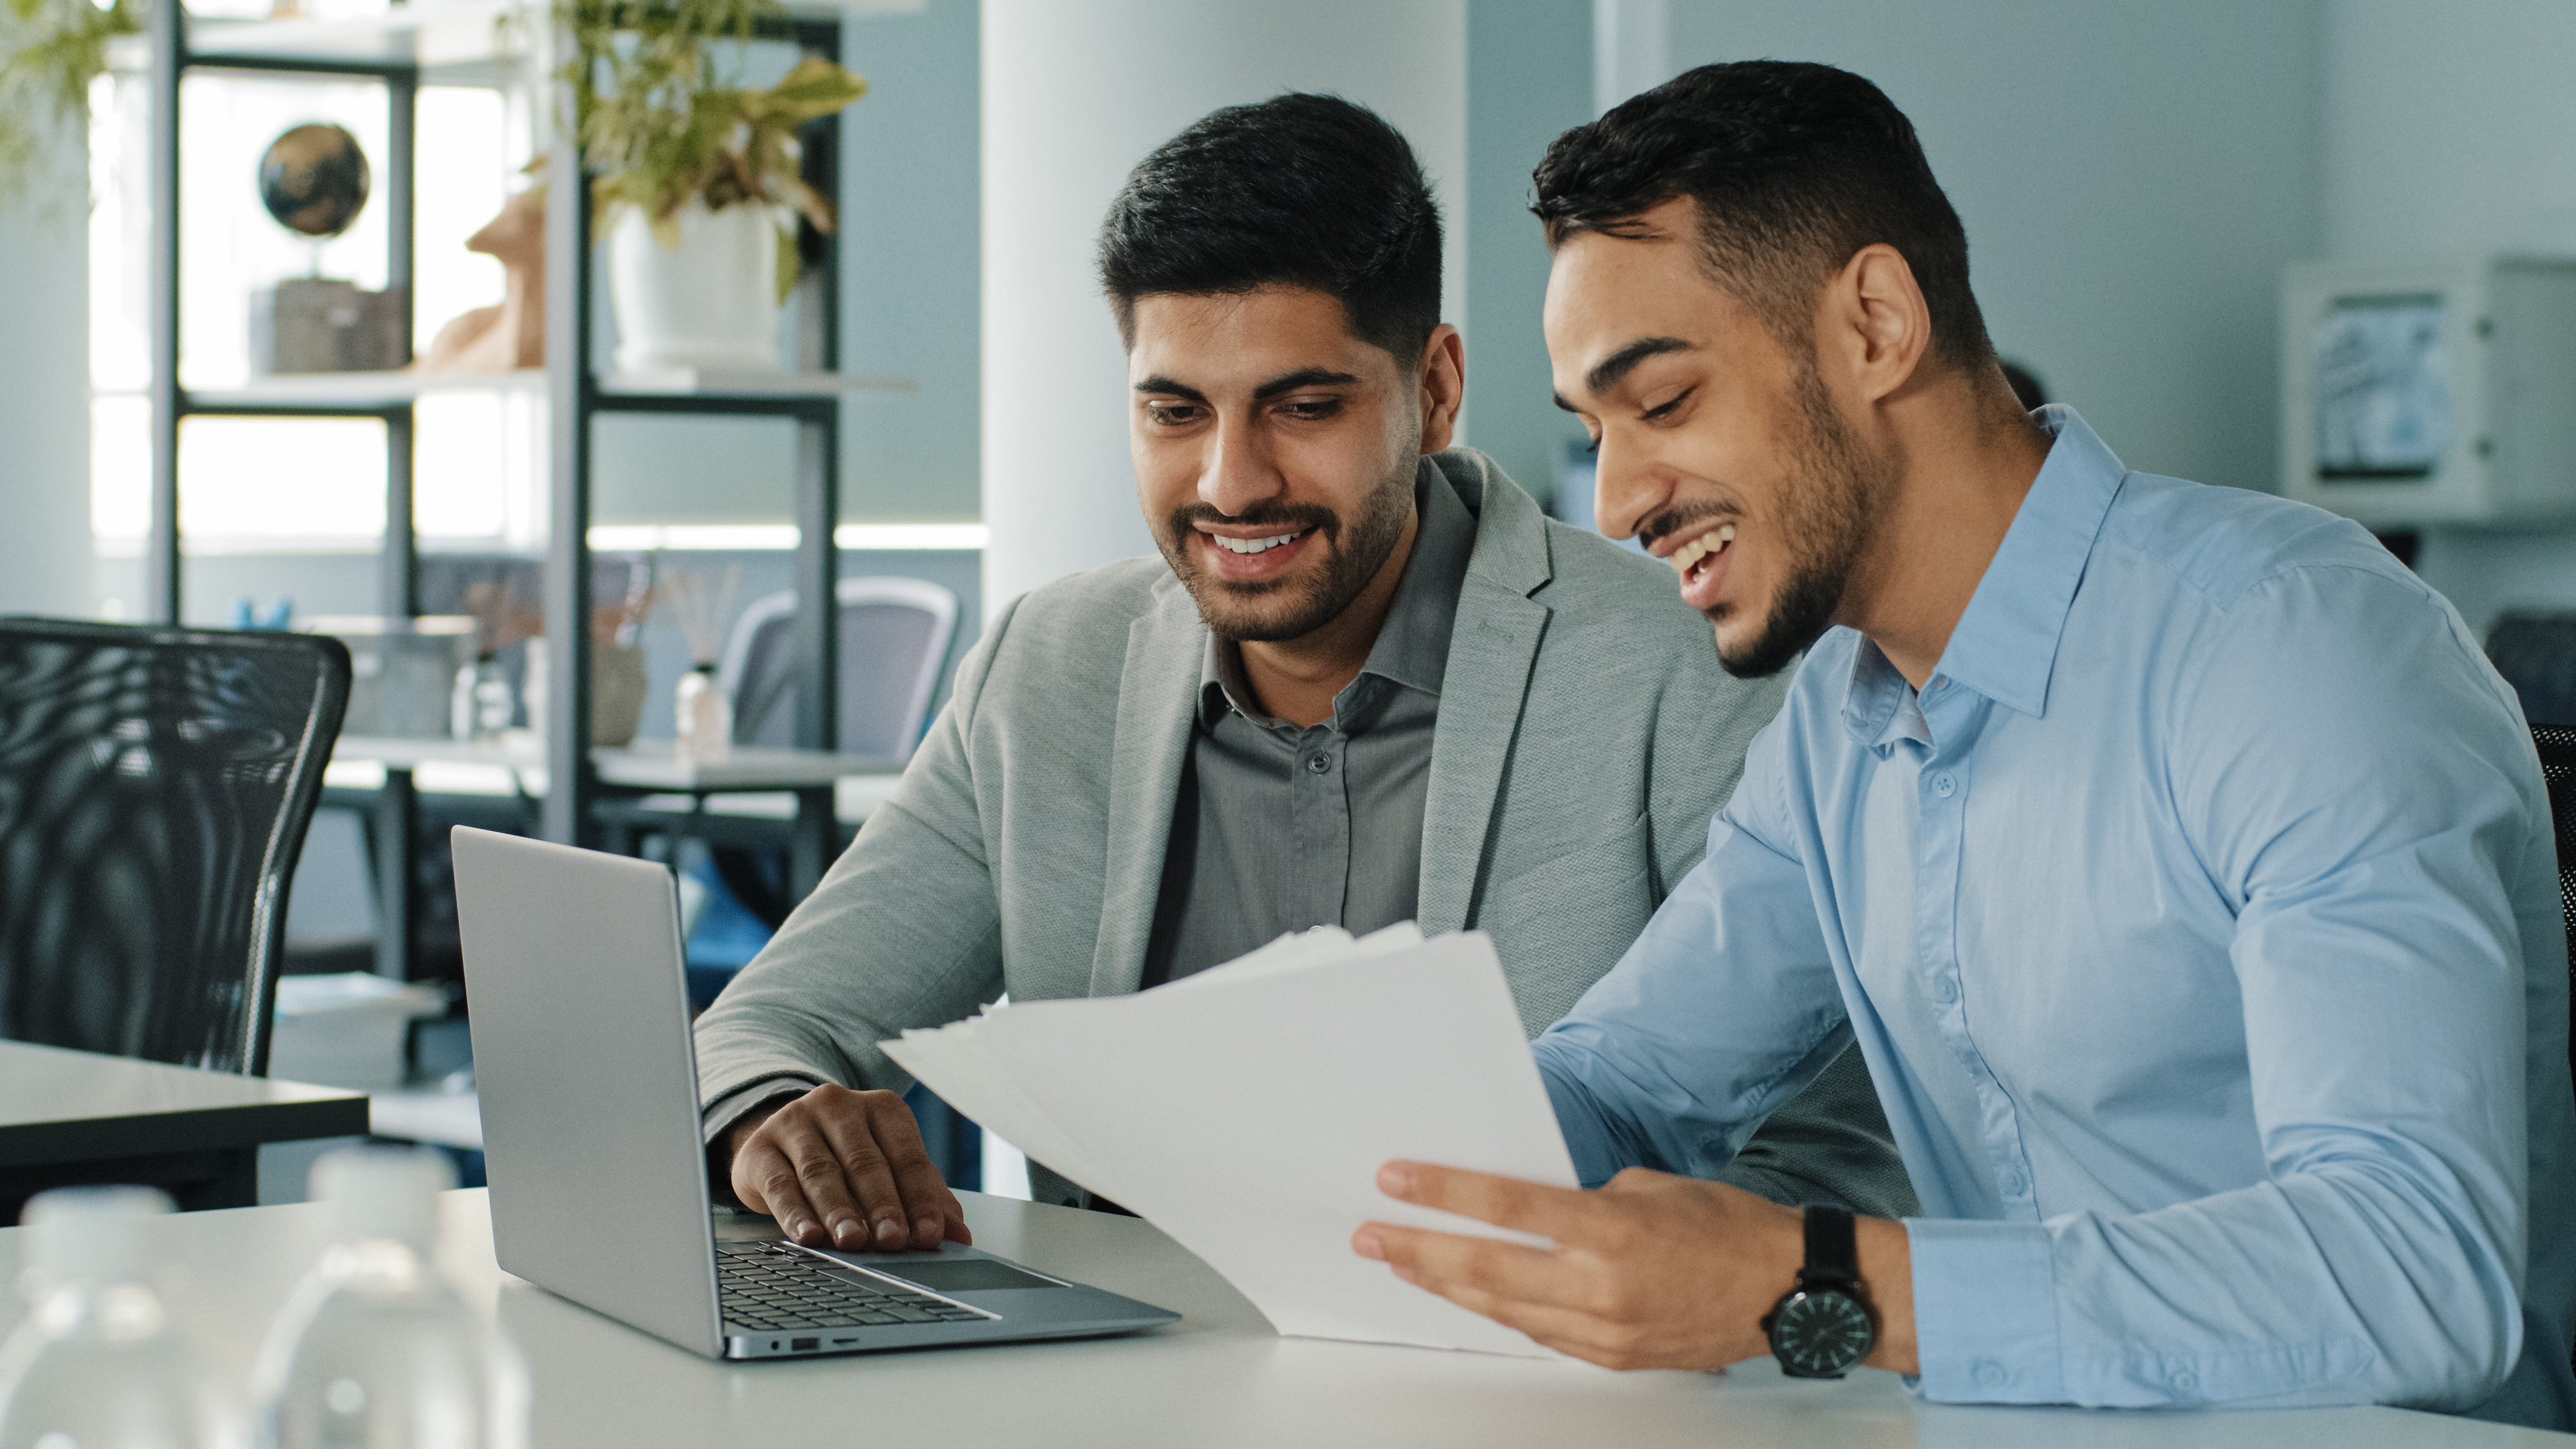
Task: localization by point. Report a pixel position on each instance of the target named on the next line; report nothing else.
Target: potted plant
(50, 50)
(698, 187)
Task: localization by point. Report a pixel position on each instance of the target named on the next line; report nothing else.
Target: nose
(1237, 473)
(1627, 489)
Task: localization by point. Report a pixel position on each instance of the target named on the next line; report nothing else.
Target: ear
(1873, 320)
(1443, 372)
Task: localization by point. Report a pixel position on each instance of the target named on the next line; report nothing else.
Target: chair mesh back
(2557, 746)
(154, 789)
(882, 649)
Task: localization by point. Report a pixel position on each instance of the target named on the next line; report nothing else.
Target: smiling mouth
(1249, 546)
(1695, 558)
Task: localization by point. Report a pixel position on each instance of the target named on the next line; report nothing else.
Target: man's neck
(1964, 462)
(1296, 679)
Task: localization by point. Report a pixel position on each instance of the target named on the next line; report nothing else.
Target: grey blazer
(1586, 734)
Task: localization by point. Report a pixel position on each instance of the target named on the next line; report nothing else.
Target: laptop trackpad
(960, 1275)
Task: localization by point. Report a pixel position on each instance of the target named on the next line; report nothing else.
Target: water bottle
(97, 1364)
(479, 707)
(376, 1349)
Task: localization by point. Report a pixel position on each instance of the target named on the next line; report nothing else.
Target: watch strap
(1833, 1249)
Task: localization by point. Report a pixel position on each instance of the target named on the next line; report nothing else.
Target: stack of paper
(1246, 1110)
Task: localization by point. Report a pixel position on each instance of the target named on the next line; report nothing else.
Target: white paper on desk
(1246, 1111)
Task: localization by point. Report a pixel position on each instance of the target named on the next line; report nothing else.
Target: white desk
(646, 765)
(69, 1116)
(813, 777)
(1217, 1378)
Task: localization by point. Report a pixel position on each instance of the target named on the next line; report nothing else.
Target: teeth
(1251, 545)
(1701, 547)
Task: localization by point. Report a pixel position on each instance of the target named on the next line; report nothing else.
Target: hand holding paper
(1246, 1111)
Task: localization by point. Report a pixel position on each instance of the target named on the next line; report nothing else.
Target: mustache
(1697, 518)
(1299, 516)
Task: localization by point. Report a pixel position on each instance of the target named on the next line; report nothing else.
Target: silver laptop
(591, 1137)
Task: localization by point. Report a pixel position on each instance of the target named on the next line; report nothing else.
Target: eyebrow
(1303, 377)
(1606, 373)
(1160, 383)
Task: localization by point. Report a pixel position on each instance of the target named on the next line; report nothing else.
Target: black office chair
(155, 784)
(2557, 746)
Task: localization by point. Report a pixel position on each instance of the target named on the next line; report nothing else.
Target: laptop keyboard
(773, 1287)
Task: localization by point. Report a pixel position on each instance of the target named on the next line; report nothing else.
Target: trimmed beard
(1349, 562)
(1834, 481)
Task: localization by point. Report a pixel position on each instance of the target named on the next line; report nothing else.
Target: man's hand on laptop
(846, 1170)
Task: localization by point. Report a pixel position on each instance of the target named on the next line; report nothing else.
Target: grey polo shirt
(1280, 827)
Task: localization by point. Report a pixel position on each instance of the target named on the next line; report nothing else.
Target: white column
(44, 391)
(1631, 49)
(1075, 92)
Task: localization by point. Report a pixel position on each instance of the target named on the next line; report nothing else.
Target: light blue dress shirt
(2199, 922)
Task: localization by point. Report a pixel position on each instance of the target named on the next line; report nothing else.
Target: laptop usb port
(802, 1345)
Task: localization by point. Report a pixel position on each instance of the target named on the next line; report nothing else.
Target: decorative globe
(314, 179)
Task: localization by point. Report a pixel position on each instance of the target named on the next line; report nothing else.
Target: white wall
(1075, 92)
(2132, 177)
(2453, 128)
(44, 396)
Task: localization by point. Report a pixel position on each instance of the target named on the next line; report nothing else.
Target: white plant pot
(711, 302)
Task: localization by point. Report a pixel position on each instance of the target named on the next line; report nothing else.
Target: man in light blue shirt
(2183, 872)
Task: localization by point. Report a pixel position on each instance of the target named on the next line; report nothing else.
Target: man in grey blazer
(1367, 681)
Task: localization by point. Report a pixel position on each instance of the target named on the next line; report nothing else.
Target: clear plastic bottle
(376, 1349)
(97, 1364)
(480, 706)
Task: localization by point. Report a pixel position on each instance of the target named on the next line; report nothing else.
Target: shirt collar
(1412, 648)
(2005, 645)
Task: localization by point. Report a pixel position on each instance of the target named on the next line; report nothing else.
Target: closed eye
(1665, 409)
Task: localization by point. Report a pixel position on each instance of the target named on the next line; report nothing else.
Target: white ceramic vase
(705, 718)
(711, 302)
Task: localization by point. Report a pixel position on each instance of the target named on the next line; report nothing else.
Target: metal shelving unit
(456, 36)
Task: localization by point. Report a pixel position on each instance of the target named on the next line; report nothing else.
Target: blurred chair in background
(2536, 654)
(895, 638)
(155, 787)
(895, 634)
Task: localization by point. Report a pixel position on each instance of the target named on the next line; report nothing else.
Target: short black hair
(1795, 167)
(1298, 190)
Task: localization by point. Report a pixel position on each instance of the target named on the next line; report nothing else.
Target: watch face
(1821, 1333)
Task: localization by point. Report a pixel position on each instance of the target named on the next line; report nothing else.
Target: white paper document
(1245, 1111)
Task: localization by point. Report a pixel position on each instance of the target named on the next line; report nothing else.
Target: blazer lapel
(1492, 649)
(1156, 697)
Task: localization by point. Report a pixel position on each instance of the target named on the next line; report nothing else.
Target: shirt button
(1319, 763)
(1944, 989)
(1988, 1374)
(2011, 1182)
(1943, 785)
(2185, 1381)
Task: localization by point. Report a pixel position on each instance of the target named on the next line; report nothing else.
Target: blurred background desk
(1217, 1377)
(74, 1117)
(643, 788)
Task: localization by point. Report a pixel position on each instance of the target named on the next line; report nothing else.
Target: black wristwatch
(1825, 1326)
